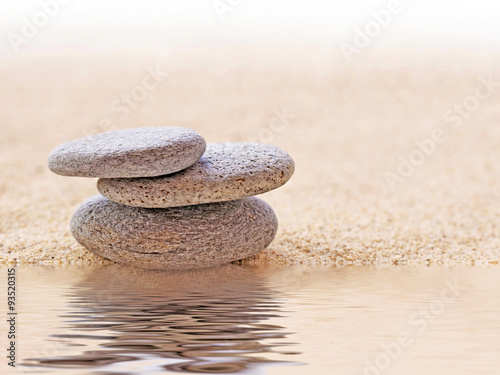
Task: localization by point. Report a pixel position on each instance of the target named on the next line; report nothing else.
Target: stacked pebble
(171, 202)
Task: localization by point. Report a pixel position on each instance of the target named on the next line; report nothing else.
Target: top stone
(138, 152)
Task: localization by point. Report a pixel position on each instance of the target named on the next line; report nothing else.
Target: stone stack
(171, 202)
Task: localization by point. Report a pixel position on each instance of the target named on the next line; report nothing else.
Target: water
(247, 320)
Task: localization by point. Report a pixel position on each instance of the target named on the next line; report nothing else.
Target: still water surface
(254, 320)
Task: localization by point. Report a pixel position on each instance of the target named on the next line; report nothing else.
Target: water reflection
(137, 322)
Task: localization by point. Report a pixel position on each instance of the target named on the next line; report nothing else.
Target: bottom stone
(177, 238)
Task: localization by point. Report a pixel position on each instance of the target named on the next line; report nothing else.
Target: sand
(345, 127)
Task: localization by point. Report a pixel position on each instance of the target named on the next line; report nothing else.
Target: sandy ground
(346, 128)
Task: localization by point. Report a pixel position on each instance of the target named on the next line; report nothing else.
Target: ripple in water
(136, 322)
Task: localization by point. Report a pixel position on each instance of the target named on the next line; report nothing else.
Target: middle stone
(227, 171)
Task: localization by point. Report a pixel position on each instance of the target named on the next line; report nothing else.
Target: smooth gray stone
(178, 238)
(138, 152)
(226, 171)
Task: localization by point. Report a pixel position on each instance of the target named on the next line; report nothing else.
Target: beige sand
(349, 128)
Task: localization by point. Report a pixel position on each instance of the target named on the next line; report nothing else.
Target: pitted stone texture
(138, 152)
(225, 172)
(176, 238)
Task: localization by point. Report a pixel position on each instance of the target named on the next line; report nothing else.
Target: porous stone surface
(225, 172)
(177, 238)
(138, 152)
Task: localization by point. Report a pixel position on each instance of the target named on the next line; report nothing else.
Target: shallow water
(248, 320)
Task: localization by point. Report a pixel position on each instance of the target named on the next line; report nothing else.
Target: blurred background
(351, 89)
(167, 26)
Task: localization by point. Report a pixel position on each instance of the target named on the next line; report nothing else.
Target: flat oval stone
(225, 172)
(138, 152)
(177, 238)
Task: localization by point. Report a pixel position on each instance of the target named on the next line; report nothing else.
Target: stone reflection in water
(208, 321)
